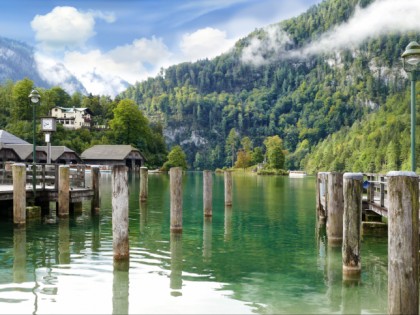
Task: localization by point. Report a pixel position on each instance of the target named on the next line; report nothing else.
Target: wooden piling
(403, 239)
(175, 174)
(207, 193)
(144, 183)
(335, 208)
(228, 188)
(352, 220)
(120, 197)
(19, 193)
(96, 202)
(63, 191)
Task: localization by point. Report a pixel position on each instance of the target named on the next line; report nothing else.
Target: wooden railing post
(63, 191)
(19, 193)
(403, 243)
(352, 221)
(335, 208)
(382, 191)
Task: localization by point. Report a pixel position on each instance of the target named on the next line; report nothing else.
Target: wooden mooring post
(228, 188)
(175, 174)
(144, 183)
(207, 193)
(321, 196)
(63, 191)
(96, 202)
(403, 240)
(120, 197)
(335, 206)
(19, 193)
(352, 221)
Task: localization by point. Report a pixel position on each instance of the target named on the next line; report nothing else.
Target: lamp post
(411, 64)
(34, 97)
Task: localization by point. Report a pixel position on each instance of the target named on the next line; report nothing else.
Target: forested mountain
(267, 85)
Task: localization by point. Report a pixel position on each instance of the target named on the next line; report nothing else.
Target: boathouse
(113, 155)
(13, 148)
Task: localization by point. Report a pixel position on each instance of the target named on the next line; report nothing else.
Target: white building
(72, 117)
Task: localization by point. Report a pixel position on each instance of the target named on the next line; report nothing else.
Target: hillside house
(72, 117)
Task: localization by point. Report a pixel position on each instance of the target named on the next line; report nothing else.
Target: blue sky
(103, 41)
(134, 39)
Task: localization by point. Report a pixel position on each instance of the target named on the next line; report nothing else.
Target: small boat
(297, 174)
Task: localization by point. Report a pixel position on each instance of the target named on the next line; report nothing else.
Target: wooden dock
(375, 192)
(46, 183)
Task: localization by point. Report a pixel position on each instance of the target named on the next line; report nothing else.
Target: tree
(231, 143)
(21, 108)
(176, 158)
(129, 125)
(243, 159)
(275, 155)
(257, 155)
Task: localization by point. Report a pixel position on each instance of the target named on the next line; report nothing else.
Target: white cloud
(134, 62)
(262, 50)
(205, 43)
(66, 27)
(381, 17)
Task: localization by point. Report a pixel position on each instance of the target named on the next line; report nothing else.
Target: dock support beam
(207, 193)
(120, 197)
(144, 183)
(352, 221)
(63, 191)
(403, 243)
(175, 174)
(335, 209)
(95, 203)
(19, 193)
(228, 188)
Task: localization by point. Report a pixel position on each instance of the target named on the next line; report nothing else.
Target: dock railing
(46, 175)
(375, 192)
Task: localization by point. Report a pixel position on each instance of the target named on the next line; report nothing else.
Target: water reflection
(207, 239)
(228, 223)
(19, 254)
(120, 287)
(143, 216)
(176, 264)
(63, 241)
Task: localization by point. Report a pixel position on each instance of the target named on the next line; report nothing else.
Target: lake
(263, 255)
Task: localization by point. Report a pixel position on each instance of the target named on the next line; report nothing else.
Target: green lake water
(263, 255)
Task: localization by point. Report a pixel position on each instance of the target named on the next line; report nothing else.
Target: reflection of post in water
(207, 238)
(176, 263)
(96, 233)
(228, 223)
(351, 298)
(19, 254)
(120, 287)
(63, 241)
(143, 215)
(321, 241)
(334, 278)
